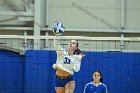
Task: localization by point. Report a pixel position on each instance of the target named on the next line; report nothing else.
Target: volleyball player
(68, 62)
(96, 86)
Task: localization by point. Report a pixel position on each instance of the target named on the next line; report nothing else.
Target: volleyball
(58, 28)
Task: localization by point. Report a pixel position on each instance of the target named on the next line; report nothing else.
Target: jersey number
(67, 60)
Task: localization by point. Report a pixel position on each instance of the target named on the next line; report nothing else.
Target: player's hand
(83, 55)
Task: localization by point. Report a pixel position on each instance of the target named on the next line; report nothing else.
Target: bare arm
(57, 46)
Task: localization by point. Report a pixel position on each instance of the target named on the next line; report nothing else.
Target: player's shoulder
(77, 56)
(64, 50)
(103, 85)
(89, 84)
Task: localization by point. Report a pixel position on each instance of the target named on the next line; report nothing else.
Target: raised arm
(57, 47)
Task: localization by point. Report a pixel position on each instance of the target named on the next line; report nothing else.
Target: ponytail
(77, 51)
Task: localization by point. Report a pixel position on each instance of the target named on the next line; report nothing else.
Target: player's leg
(69, 87)
(59, 85)
(59, 89)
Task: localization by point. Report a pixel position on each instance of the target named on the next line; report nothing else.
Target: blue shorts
(61, 82)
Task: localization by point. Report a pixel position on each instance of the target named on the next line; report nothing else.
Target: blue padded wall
(120, 71)
(11, 72)
(38, 71)
(34, 73)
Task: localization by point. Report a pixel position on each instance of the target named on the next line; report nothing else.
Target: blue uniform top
(91, 88)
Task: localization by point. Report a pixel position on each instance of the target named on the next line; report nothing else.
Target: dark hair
(77, 51)
(101, 79)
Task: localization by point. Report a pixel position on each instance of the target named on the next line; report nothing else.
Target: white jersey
(64, 61)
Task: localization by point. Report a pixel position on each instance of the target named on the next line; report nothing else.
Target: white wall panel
(133, 14)
(85, 13)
